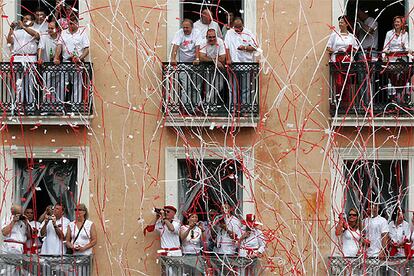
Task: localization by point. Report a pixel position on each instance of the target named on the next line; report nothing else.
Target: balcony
(370, 266)
(203, 95)
(46, 94)
(11, 264)
(364, 92)
(209, 265)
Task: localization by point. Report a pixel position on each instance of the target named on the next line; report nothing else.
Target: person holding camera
(192, 234)
(16, 231)
(252, 241)
(53, 230)
(350, 233)
(168, 228)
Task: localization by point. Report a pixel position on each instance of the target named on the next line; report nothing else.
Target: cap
(171, 208)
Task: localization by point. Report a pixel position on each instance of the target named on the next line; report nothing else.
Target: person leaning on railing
(241, 46)
(399, 234)
(192, 235)
(33, 244)
(81, 235)
(348, 230)
(396, 44)
(252, 241)
(15, 230)
(228, 229)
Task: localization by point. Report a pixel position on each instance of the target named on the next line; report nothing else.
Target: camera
(22, 217)
(158, 210)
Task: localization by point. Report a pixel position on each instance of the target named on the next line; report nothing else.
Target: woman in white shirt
(399, 232)
(192, 235)
(81, 235)
(396, 40)
(350, 233)
(341, 46)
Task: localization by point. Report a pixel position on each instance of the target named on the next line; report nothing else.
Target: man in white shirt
(206, 23)
(52, 94)
(228, 232)
(40, 24)
(367, 30)
(376, 232)
(186, 46)
(168, 228)
(33, 244)
(23, 40)
(213, 50)
(16, 231)
(53, 230)
(240, 47)
(73, 45)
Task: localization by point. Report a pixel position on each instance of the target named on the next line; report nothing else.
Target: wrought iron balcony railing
(31, 89)
(206, 90)
(370, 266)
(209, 265)
(17, 264)
(371, 88)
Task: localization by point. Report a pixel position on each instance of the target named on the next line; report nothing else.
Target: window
(383, 11)
(40, 183)
(207, 184)
(383, 181)
(219, 9)
(48, 6)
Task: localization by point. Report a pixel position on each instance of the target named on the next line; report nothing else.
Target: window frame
(11, 8)
(337, 165)
(338, 9)
(8, 166)
(174, 154)
(174, 9)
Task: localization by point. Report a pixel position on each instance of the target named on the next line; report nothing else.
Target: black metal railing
(370, 266)
(206, 90)
(372, 88)
(18, 264)
(209, 265)
(32, 89)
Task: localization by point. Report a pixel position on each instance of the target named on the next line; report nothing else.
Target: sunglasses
(352, 215)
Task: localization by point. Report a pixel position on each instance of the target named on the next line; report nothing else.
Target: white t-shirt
(234, 40)
(394, 42)
(253, 244)
(73, 43)
(41, 28)
(24, 43)
(18, 234)
(399, 233)
(169, 239)
(48, 46)
(203, 28)
(366, 39)
(374, 228)
(213, 51)
(84, 237)
(37, 243)
(52, 245)
(187, 45)
(340, 43)
(192, 243)
(225, 243)
(350, 242)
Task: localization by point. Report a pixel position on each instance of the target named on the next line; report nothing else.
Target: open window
(40, 183)
(49, 6)
(383, 11)
(207, 184)
(219, 9)
(383, 181)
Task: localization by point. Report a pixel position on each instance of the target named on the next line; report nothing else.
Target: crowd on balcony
(52, 234)
(204, 42)
(221, 234)
(374, 235)
(56, 38)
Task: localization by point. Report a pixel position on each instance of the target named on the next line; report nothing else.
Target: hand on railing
(56, 61)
